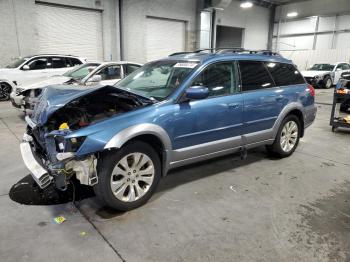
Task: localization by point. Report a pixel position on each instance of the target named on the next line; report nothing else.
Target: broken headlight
(68, 144)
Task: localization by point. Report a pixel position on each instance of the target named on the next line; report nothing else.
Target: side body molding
(125, 135)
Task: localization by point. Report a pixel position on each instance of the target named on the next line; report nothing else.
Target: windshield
(157, 79)
(322, 67)
(81, 71)
(17, 62)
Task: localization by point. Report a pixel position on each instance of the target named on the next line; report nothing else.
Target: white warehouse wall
(313, 7)
(18, 37)
(255, 22)
(134, 15)
(320, 32)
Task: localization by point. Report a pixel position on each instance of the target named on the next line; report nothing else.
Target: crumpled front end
(62, 123)
(53, 160)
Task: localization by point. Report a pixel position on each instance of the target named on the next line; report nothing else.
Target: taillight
(311, 90)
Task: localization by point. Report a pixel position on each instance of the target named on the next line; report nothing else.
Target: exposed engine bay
(57, 153)
(91, 108)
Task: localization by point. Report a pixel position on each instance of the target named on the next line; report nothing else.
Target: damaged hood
(55, 97)
(43, 82)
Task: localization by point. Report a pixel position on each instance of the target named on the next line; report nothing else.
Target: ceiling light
(292, 14)
(246, 4)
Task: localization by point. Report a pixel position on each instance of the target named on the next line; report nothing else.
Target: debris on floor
(59, 220)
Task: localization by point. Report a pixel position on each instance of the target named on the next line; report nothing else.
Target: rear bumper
(39, 174)
(309, 115)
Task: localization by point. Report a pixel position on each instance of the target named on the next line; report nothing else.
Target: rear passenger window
(58, 62)
(254, 76)
(284, 74)
(219, 78)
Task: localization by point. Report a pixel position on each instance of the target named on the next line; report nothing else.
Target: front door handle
(233, 105)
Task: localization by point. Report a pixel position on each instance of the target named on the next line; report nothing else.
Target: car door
(37, 69)
(262, 101)
(212, 124)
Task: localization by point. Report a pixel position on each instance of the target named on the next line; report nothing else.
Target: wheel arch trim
(118, 140)
(286, 111)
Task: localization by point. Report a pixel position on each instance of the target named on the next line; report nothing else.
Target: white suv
(325, 75)
(23, 69)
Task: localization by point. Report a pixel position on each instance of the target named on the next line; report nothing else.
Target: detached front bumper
(39, 174)
(61, 169)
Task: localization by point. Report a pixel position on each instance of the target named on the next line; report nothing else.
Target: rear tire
(327, 82)
(128, 177)
(287, 138)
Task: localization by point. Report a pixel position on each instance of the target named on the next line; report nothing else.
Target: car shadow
(27, 192)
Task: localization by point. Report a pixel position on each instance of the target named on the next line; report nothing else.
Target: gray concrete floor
(259, 209)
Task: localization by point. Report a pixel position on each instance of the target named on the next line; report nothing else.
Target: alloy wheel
(328, 83)
(132, 177)
(5, 91)
(289, 136)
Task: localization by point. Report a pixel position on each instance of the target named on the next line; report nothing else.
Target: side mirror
(338, 69)
(197, 92)
(95, 79)
(25, 67)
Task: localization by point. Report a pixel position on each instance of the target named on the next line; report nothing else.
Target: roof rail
(223, 50)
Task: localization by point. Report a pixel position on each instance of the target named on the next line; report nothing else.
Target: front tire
(5, 91)
(128, 177)
(287, 138)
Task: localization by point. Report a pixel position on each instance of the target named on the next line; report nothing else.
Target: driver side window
(219, 78)
(38, 64)
(110, 72)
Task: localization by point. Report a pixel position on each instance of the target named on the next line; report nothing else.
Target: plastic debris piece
(82, 233)
(59, 220)
(63, 126)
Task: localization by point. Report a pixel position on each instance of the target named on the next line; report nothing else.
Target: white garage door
(69, 31)
(164, 37)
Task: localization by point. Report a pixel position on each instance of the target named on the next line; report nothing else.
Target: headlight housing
(19, 90)
(69, 144)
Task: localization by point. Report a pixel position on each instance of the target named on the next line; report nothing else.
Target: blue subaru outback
(185, 108)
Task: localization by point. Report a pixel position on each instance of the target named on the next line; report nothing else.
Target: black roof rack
(224, 50)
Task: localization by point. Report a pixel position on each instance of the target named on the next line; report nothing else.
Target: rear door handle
(233, 105)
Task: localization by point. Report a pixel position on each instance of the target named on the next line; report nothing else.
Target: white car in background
(32, 67)
(325, 75)
(103, 73)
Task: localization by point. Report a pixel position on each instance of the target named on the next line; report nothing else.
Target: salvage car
(325, 75)
(185, 108)
(103, 73)
(31, 67)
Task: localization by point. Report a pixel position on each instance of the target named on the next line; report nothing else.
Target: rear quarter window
(254, 76)
(284, 74)
(74, 61)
